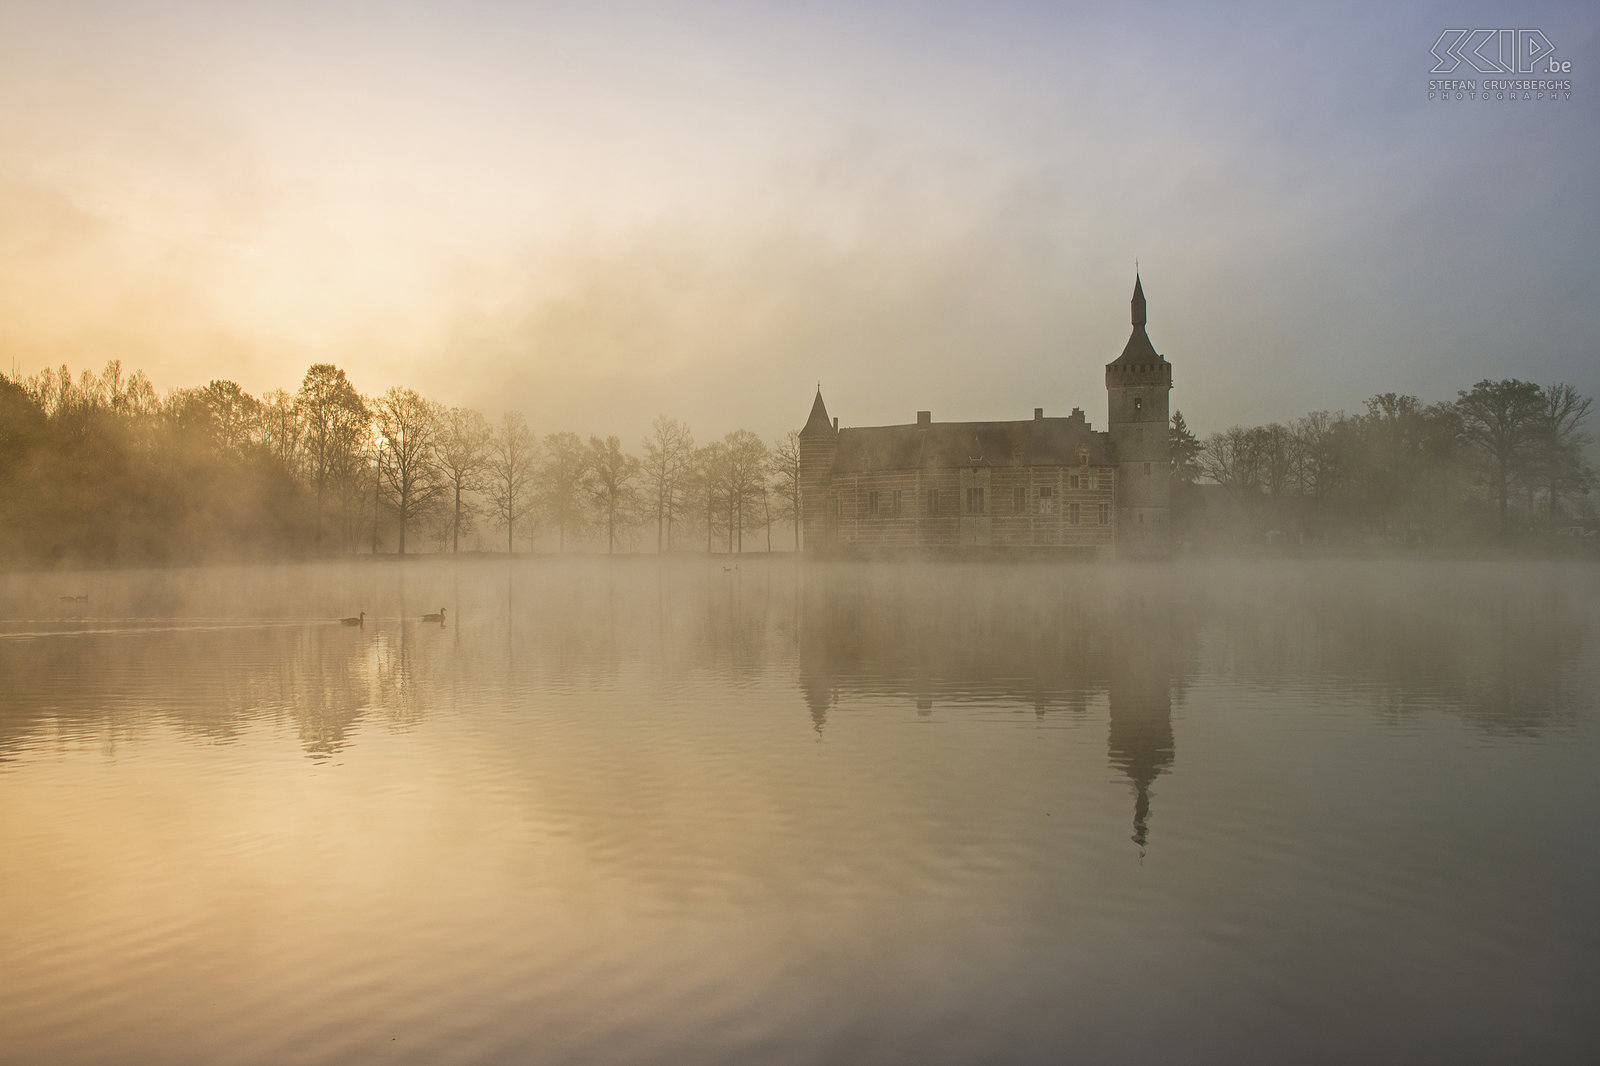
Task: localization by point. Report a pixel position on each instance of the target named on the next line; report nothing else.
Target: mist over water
(766, 810)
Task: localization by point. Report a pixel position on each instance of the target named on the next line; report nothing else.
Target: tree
(463, 457)
(707, 482)
(609, 476)
(668, 455)
(1562, 413)
(407, 462)
(1229, 458)
(329, 411)
(561, 482)
(233, 414)
(743, 469)
(1503, 420)
(277, 429)
(512, 456)
(1184, 447)
(786, 482)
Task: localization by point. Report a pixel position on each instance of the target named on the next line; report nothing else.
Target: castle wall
(938, 508)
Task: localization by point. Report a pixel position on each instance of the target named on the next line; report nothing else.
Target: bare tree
(705, 482)
(512, 456)
(1503, 420)
(668, 456)
(233, 414)
(352, 470)
(610, 473)
(744, 469)
(408, 427)
(277, 429)
(328, 408)
(561, 483)
(1229, 459)
(786, 483)
(1563, 411)
(463, 456)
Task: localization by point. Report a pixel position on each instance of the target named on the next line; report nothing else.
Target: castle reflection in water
(1000, 635)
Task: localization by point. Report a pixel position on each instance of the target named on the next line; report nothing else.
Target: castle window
(872, 502)
(1104, 481)
(1138, 403)
(1147, 470)
(896, 501)
(1072, 513)
(975, 500)
(1019, 499)
(1083, 456)
(1072, 481)
(1047, 503)
(1105, 514)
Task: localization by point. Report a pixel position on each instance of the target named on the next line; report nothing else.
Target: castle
(1048, 483)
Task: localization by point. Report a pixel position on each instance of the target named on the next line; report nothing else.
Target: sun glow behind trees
(100, 469)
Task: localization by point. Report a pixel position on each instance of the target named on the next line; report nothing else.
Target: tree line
(99, 468)
(1504, 459)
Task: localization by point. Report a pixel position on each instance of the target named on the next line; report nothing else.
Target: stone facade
(1046, 483)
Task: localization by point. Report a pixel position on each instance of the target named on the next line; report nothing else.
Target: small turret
(818, 425)
(818, 442)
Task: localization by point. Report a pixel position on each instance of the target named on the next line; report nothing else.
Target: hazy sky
(600, 212)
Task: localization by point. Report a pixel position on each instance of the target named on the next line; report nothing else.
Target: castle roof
(1032, 442)
(818, 424)
(1138, 351)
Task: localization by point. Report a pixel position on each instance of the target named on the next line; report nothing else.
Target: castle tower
(817, 442)
(1137, 388)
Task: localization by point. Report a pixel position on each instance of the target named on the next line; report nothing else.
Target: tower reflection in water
(1058, 640)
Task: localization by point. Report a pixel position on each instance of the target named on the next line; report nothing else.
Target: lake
(768, 811)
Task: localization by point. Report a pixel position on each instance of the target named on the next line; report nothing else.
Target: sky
(597, 213)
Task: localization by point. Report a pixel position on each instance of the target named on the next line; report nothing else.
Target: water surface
(629, 811)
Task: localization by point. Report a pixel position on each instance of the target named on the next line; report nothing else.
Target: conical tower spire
(818, 425)
(1138, 301)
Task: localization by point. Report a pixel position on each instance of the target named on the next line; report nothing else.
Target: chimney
(1038, 414)
(836, 423)
(924, 418)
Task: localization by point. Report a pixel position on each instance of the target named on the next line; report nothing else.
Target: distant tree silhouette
(408, 461)
(333, 418)
(464, 451)
(1561, 439)
(785, 453)
(743, 476)
(609, 477)
(234, 414)
(1185, 450)
(562, 468)
(668, 459)
(1503, 421)
(512, 468)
